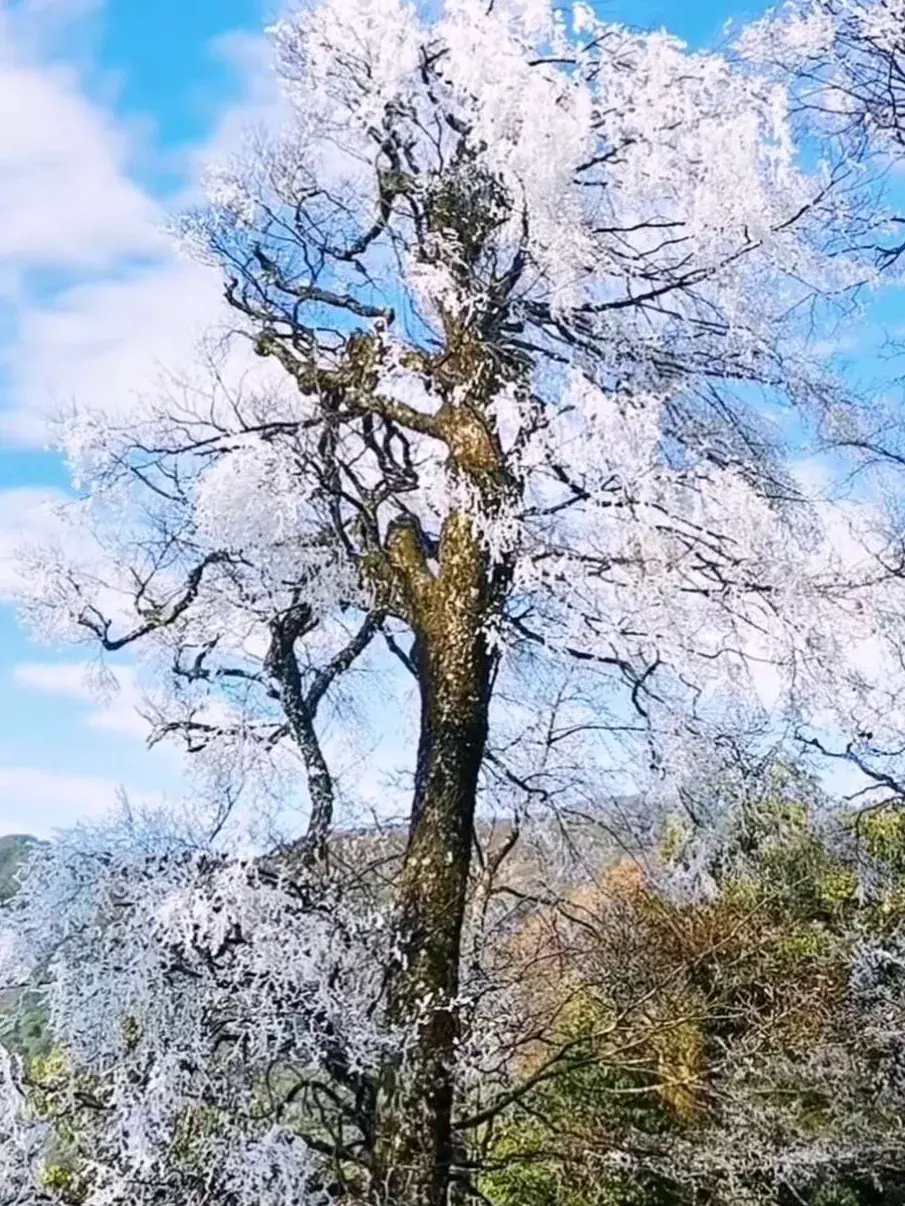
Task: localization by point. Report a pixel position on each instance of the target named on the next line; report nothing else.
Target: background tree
(844, 62)
(738, 1045)
(530, 281)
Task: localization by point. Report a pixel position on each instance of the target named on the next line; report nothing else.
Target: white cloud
(68, 202)
(37, 801)
(94, 307)
(40, 23)
(125, 307)
(105, 343)
(113, 706)
(69, 207)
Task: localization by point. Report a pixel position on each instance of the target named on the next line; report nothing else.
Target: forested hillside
(646, 1029)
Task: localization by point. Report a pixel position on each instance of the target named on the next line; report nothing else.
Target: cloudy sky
(107, 107)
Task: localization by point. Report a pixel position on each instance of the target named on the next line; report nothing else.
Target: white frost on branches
(533, 277)
(196, 997)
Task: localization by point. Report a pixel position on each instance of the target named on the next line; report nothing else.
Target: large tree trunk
(413, 1139)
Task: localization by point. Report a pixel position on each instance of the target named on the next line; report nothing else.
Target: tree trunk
(413, 1140)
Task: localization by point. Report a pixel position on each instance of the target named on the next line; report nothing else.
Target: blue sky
(106, 108)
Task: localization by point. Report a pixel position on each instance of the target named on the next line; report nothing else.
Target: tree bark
(413, 1139)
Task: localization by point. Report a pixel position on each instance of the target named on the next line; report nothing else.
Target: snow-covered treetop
(529, 275)
(844, 61)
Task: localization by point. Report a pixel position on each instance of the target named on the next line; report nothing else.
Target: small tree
(529, 279)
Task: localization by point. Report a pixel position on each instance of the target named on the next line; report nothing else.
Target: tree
(844, 62)
(736, 1046)
(187, 1067)
(530, 280)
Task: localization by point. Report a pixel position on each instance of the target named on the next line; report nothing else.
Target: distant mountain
(14, 848)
